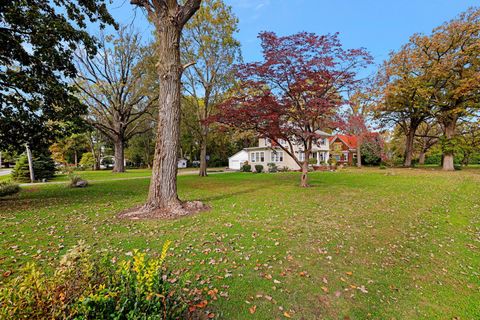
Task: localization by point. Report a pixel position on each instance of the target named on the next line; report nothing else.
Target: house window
(301, 156)
(337, 157)
(257, 157)
(277, 156)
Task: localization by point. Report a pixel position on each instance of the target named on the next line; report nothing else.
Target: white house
(267, 152)
(236, 161)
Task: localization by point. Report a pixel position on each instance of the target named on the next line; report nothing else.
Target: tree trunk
(163, 185)
(75, 156)
(421, 157)
(359, 153)
(203, 154)
(448, 155)
(304, 178)
(410, 138)
(30, 163)
(119, 156)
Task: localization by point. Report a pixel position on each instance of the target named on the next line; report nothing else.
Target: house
(269, 152)
(236, 161)
(343, 148)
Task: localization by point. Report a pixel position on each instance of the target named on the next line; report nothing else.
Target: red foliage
(296, 91)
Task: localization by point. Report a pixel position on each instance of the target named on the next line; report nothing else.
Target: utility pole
(30, 163)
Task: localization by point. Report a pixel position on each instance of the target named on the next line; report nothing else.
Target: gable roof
(350, 141)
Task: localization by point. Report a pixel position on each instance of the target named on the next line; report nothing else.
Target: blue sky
(378, 25)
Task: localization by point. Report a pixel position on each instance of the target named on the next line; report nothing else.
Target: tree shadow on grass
(223, 196)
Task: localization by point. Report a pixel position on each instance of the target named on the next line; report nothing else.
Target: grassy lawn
(108, 175)
(358, 244)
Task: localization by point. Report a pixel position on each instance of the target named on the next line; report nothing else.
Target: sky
(380, 26)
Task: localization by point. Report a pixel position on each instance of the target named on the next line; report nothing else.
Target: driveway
(5, 172)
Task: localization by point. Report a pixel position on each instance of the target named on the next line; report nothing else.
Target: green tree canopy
(37, 41)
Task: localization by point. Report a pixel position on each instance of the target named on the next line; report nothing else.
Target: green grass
(361, 244)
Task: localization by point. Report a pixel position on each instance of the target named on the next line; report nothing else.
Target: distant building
(182, 163)
(269, 152)
(236, 161)
(343, 148)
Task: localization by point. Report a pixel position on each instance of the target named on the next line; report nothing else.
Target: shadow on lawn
(223, 196)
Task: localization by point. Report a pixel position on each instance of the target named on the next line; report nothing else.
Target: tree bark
(30, 164)
(119, 156)
(359, 152)
(448, 155)
(203, 155)
(421, 157)
(75, 156)
(304, 178)
(410, 138)
(163, 185)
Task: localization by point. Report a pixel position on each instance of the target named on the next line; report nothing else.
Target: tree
(469, 140)
(427, 136)
(169, 18)
(88, 160)
(360, 104)
(69, 148)
(37, 42)
(451, 53)
(141, 148)
(404, 95)
(208, 40)
(295, 92)
(372, 148)
(110, 84)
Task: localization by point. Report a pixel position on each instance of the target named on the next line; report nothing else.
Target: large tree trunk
(163, 185)
(119, 156)
(410, 138)
(448, 156)
(203, 155)
(421, 157)
(75, 156)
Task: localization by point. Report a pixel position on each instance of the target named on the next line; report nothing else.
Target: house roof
(243, 150)
(350, 141)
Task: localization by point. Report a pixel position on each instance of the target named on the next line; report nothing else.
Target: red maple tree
(295, 92)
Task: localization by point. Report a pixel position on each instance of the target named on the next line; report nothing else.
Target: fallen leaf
(252, 309)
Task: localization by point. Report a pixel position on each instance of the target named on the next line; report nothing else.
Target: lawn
(358, 244)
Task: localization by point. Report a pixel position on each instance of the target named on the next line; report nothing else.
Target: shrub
(382, 167)
(43, 168)
(272, 167)
(312, 161)
(8, 188)
(76, 181)
(246, 168)
(284, 169)
(258, 168)
(457, 167)
(83, 287)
